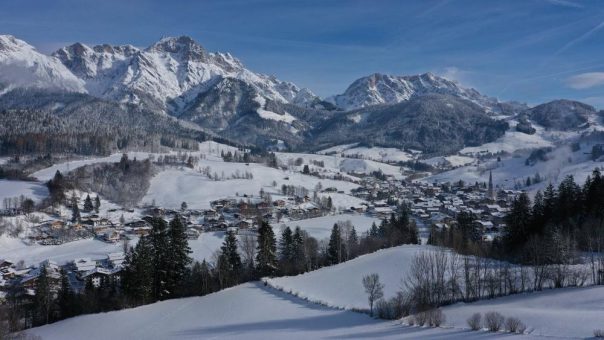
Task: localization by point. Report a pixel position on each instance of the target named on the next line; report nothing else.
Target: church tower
(491, 192)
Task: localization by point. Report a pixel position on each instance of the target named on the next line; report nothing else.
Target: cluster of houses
(80, 272)
(438, 205)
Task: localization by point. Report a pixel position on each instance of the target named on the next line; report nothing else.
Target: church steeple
(491, 192)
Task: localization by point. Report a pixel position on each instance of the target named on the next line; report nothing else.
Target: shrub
(383, 310)
(493, 321)
(420, 318)
(435, 317)
(514, 325)
(475, 321)
(599, 333)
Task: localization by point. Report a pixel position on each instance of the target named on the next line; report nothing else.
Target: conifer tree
(178, 255)
(138, 272)
(335, 247)
(88, 207)
(161, 258)
(298, 250)
(75, 210)
(97, 203)
(43, 299)
(230, 260)
(286, 251)
(266, 258)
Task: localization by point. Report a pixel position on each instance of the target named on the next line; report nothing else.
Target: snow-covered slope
(170, 73)
(559, 313)
(22, 66)
(249, 311)
(341, 285)
(386, 89)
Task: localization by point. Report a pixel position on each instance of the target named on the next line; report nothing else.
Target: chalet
(57, 225)
(192, 234)
(84, 264)
(110, 236)
(243, 224)
(115, 260)
(99, 276)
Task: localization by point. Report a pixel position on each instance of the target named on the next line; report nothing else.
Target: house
(99, 276)
(115, 260)
(110, 236)
(84, 264)
(192, 234)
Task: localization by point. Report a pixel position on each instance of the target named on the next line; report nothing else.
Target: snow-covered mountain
(21, 66)
(379, 88)
(167, 75)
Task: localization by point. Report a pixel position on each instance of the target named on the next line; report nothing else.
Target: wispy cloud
(565, 3)
(586, 80)
(582, 37)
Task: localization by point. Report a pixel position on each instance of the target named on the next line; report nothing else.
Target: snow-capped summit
(21, 65)
(379, 88)
(166, 76)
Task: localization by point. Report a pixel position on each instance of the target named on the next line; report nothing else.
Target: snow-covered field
(511, 170)
(511, 141)
(48, 173)
(172, 187)
(320, 227)
(341, 285)
(248, 311)
(337, 164)
(373, 153)
(568, 312)
(15, 249)
(11, 189)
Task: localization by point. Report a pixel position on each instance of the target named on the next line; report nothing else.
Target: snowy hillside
(21, 65)
(341, 285)
(248, 311)
(565, 313)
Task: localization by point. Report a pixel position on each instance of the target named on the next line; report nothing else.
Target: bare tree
(373, 288)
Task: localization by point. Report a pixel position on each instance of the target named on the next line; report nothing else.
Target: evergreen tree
(66, 300)
(161, 258)
(353, 243)
(286, 251)
(229, 260)
(88, 207)
(518, 222)
(179, 259)
(298, 250)
(306, 170)
(97, 203)
(266, 259)
(75, 210)
(43, 299)
(335, 247)
(138, 274)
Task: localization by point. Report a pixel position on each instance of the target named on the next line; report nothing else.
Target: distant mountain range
(210, 94)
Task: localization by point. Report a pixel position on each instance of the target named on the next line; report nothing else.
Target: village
(432, 205)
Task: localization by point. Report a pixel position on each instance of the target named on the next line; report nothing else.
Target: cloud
(565, 3)
(595, 101)
(586, 80)
(582, 37)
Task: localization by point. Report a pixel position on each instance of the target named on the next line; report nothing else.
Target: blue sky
(527, 50)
